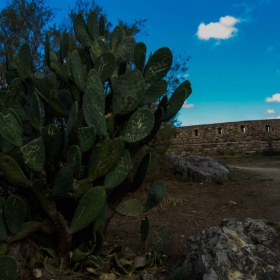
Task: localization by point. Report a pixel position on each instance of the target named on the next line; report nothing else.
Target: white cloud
(183, 76)
(273, 118)
(188, 105)
(270, 111)
(224, 29)
(275, 98)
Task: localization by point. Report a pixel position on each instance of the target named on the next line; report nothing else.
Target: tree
(24, 21)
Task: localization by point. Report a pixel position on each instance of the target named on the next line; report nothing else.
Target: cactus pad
(119, 173)
(10, 129)
(63, 182)
(73, 160)
(72, 119)
(154, 92)
(139, 125)
(3, 229)
(131, 207)
(15, 213)
(128, 92)
(88, 208)
(86, 137)
(81, 31)
(33, 154)
(158, 65)
(156, 194)
(8, 268)
(77, 70)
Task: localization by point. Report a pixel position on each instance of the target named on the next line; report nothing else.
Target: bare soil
(251, 191)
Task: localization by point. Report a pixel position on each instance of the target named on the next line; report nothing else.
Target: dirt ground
(252, 190)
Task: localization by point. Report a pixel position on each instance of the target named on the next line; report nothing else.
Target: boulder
(198, 168)
(235, 250)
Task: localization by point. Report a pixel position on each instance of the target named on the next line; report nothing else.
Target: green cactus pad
(98, 47)
(15, 105)
(119, 173)
(175, 104)
(92, 27)
(34, 154)
(14, 114)
(88, 208)
(93, 80)
(94, 109)
(104, 157)
(141, 172)
(47, 51)
(8, 268)
(124, 50)
(12, 172)
(116, 37)
(53, 142)
(105, 65)
(57, 108)
(60, 71)
(33, 110)
(23, 62)
(73, 160)
(44, 85)
(139, 125)
(64, 45)
(15, 88)
(102, 21)
(77, 70)
(81, 187)
(140, 56)
(128, 92)
(63, 182)
(154, 92)
(158, 65)
(3, 228)
(144, 229)
(72, 119)
(100, 218)
(80, 30)
(86, 137)
(131, 208)
(10, 129)
(5, 146)
(15, 213)
(66, 98)
(3, 97)
(156, 194)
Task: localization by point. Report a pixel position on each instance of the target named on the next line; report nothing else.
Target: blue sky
(234, 48)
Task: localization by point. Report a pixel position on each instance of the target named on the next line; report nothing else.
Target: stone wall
(227, 138)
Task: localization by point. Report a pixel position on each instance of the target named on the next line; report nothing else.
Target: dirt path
(270, 172)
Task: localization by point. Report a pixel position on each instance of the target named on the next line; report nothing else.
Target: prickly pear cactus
(68, 141)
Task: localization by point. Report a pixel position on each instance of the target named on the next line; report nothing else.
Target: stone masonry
(230, 138)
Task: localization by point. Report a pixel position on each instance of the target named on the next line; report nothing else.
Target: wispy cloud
(270, 111)
(223, 29)
(273, 118)
(275, 98)
(188, 105)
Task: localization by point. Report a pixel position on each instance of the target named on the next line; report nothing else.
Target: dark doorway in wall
(220, 130)
(267, 128)
(196, 132)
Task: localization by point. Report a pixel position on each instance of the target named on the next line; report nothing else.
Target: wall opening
(267, 128)
(220, 130)
(196, 132)
(243, 128)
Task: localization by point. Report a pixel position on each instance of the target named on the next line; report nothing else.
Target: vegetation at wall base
(69, 143)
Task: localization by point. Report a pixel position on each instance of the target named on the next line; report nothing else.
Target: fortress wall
(227, 138)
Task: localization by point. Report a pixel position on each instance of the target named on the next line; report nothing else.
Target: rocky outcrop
(235, 250)
(198, 168)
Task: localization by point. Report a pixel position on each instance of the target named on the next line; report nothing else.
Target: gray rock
(235, 250)
(198, 168)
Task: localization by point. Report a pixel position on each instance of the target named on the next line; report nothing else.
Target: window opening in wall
(267, 128)
(243, 128)
(220, 130)
(196, 132)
